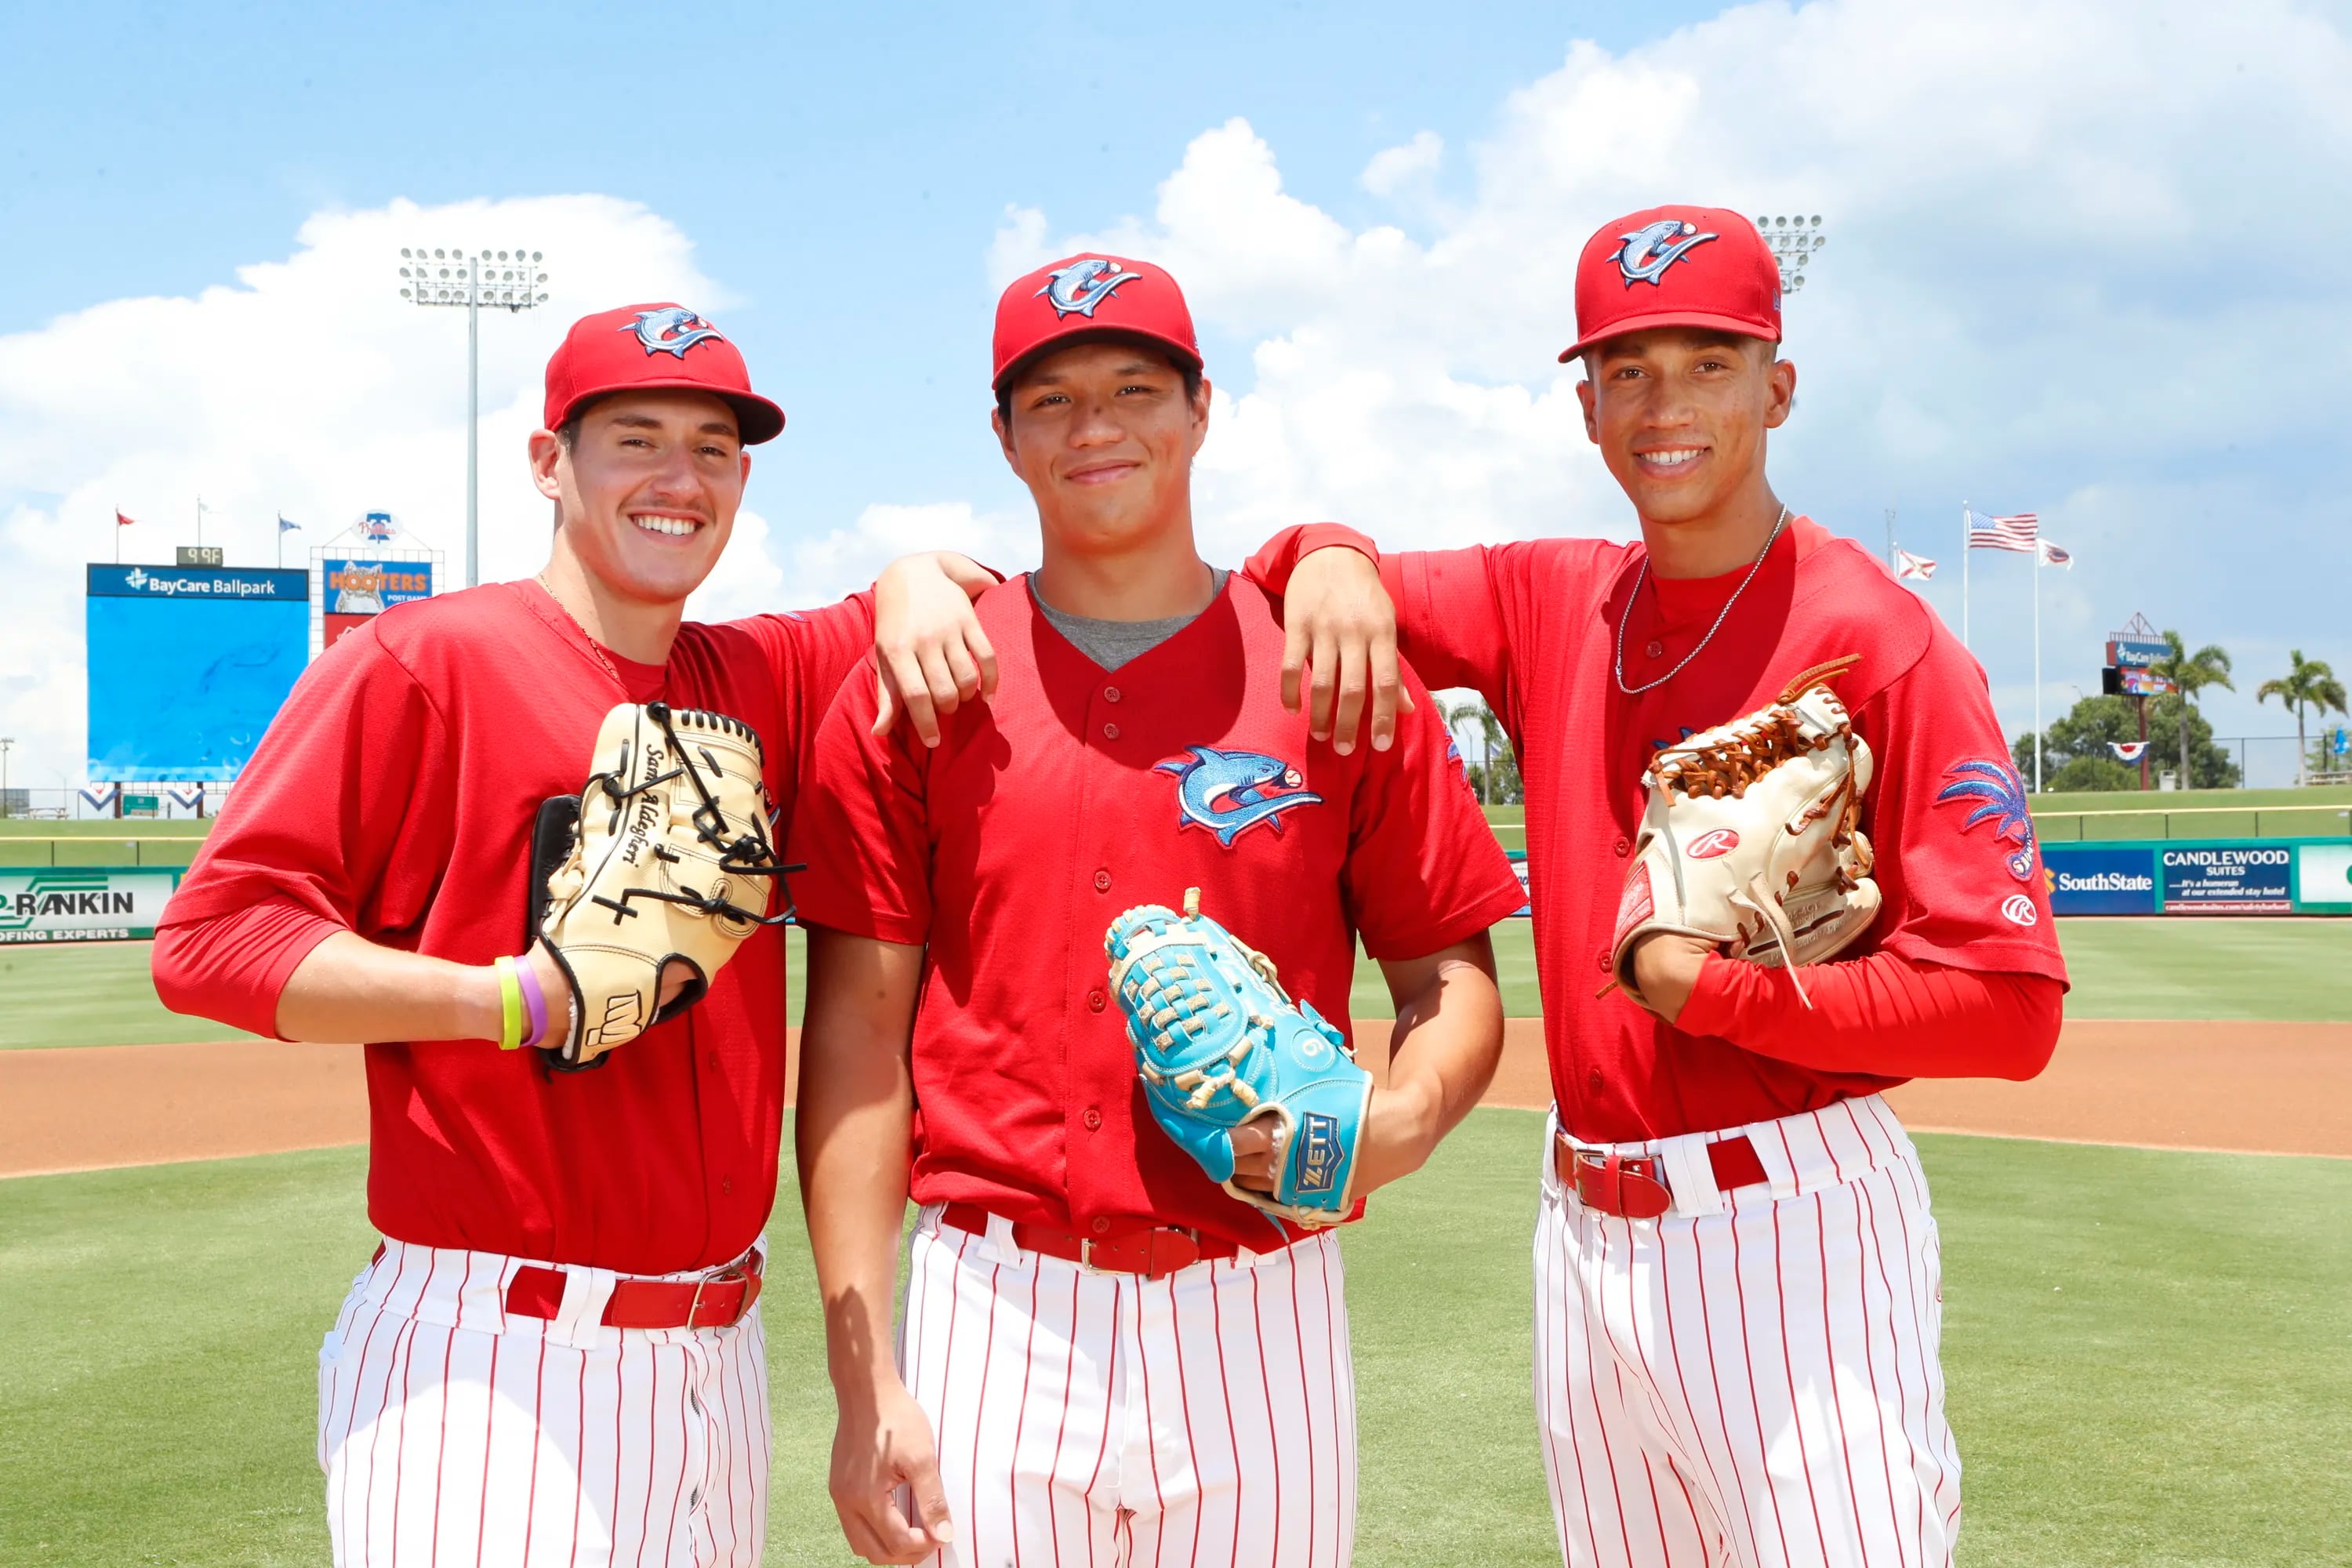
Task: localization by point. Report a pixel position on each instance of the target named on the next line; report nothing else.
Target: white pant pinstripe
(452, 1434)
(1205, 1417)
(1758, 1385)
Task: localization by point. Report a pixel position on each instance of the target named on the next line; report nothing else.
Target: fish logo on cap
(1648, 251)
(672, 330)
(1078, 289)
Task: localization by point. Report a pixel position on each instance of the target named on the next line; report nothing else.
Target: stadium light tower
(510, 279)
(1793, 240)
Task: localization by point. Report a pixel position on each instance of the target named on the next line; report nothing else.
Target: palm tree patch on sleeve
(1997, 794)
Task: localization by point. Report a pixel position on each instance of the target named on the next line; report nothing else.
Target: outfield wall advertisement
(2101, 879)
(82, 903)
(2189, 877)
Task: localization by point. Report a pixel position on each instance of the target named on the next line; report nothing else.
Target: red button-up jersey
(1073, 795)
(394, 796)
(1533, 626)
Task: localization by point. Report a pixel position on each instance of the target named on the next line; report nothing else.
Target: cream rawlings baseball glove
(671, 862)
(1749, 841)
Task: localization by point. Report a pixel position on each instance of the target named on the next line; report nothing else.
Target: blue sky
(2076, 265)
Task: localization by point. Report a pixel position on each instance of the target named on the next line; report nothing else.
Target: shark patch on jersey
(1228, 793)
(1999, 796)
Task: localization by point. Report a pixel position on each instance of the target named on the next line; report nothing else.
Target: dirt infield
(2251, 1088)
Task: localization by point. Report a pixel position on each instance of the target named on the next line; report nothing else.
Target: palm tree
(2308, 683)
(2192, 672)
(1498, 773)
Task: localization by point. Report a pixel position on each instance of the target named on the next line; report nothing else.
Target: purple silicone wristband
(534, 1002)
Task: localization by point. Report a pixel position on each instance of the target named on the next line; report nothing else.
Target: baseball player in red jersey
(1737, 1286)
(1103, 1357)
(555, 1357)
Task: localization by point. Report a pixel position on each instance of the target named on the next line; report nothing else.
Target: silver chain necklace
(1627, 614)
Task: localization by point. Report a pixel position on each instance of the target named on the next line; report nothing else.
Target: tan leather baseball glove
(1749, 838)
(672, 864)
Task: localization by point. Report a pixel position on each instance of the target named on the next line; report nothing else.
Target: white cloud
(308, 387)
(828, 566)
(1394, 168)
(2074, 248)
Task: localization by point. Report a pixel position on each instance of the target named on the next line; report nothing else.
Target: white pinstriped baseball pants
(453, 1434)
(1104, 1419)
(1757, 1384)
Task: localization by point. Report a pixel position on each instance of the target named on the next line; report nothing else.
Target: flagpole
(2037, 661)
(1963, 574)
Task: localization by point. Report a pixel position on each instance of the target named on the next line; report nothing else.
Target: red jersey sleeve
(345, 780)
(1957, 867)
(1883, 1015)
(810, 651)
(232, 968)
(1423, 870)
(861, 827)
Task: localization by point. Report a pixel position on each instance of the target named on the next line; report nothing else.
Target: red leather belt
(1152, 1251)
(1636, 1189)
(717, 1300)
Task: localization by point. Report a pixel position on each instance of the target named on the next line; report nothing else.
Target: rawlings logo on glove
(1219, 1043)
(1749, 838)
(671, 863)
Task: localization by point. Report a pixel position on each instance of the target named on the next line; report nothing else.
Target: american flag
(2016, 533)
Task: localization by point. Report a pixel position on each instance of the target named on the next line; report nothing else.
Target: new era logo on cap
(652, 348)
(1676, 267)
(1089, 296)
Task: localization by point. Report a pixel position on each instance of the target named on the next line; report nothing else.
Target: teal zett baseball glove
(1219, 1043)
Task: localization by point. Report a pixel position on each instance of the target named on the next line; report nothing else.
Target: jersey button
(1093, 1118)
(1601, 961)
(1110, 732)
(1656, 649)
(1622, 845)
(1102, 1225)
(1095, 1000)
(1592, 1079)
(1102, 881)
(1110, 693)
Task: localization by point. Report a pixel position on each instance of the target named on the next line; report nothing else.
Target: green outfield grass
(2145, 1350)
(88, 993)
(104, 827)
(98, 993)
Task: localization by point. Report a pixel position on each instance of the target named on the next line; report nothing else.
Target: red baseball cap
(1676, 267)
(641, 348)
(1091, 295)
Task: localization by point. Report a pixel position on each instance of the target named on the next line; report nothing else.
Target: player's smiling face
(1679, 415)
(1104, 436)
(648, 489)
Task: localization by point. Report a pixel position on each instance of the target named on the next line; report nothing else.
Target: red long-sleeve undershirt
(1883, 1014)
(234, 967)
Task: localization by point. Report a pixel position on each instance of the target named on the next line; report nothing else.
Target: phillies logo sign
(1707, 845)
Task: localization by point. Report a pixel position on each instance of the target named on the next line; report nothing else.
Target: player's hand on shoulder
(878, 1447)
(930, 655)
(1339, 642)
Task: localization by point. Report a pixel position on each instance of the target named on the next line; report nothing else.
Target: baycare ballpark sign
(215, 583)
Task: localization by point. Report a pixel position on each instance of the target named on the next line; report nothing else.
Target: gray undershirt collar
(1113, 643)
